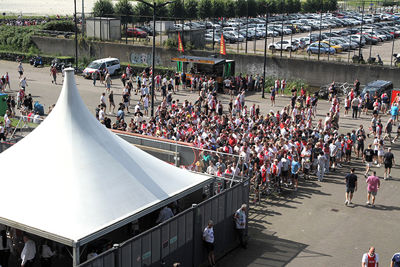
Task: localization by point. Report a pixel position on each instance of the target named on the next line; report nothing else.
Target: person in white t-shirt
(2, 132)
(101, 114)
(208, 238)
(370, 258)
(146, 105)
(212, 170)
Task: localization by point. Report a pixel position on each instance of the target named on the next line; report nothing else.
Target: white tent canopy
(72, 180)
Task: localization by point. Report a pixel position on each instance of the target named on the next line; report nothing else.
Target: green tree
(252, 7)
(289, 6)
(219, 8)
(162, 12)
(297, 6)
(142, 12)
(330, 5)
(103, 8)
(261, 6)
(272, 6)
(241, 8)
(205, 9)
(125, 9)
(191, 9)
(230, 9)
(176, 9)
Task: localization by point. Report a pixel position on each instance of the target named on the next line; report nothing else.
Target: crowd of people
(274, 149)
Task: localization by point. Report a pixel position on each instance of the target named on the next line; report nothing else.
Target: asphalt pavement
(309, 227)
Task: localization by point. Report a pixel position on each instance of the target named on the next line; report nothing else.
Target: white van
(111, 64)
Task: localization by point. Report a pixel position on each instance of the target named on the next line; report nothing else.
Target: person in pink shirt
(372, 188)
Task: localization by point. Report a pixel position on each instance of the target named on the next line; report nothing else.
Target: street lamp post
(76, 37)
(247, 25)
(154, 6)
(361, 32)
(265, 54)
(319, 37)
(83, 16)
(281, 27)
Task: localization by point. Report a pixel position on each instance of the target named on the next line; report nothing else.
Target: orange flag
(222, 49)
(180, 45)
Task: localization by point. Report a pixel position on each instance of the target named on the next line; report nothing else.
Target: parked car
(321, 47)
(377, 87)
(136, 32)
(332, 43)
(283, 45)
(112, 65)
(148, 29)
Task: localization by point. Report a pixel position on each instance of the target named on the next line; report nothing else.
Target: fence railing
(180, 238)
(187, 156)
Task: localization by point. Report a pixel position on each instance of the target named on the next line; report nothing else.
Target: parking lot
(340, 31)
(384, 49)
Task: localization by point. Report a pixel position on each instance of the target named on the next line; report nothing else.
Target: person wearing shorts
(273, 93)
(20, 70)
(373, 183)
(351, 186)
(388, 160)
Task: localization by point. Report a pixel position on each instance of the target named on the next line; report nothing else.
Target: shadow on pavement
(264, 250)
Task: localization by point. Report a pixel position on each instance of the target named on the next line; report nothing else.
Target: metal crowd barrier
(180, 238)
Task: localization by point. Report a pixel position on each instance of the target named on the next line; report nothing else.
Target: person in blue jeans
(295, 168)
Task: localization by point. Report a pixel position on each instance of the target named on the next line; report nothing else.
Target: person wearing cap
(208, 238)
(388, 160)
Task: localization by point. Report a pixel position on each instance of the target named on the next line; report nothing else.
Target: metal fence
(184, 155)
(180, 238)
(254, 43)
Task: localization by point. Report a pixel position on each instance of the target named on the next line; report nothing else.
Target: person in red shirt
(53, 72)
(370, 259)
(348, 147)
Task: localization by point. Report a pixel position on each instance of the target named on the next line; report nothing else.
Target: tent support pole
(75, 255)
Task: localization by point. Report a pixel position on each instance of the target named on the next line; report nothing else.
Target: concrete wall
(314, 72)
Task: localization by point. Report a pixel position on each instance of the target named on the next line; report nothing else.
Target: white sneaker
(346, 202)
(368, 203)
(378, 165)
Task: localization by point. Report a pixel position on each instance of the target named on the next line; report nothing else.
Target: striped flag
(222, 49)
(180, 44)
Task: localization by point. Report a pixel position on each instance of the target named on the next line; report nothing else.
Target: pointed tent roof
(72, 180)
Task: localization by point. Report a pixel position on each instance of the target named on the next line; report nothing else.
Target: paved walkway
(311, 226)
